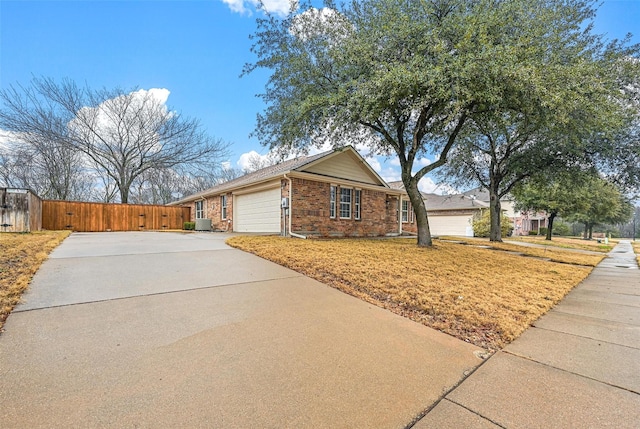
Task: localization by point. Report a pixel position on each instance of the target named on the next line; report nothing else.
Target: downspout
(399, 217)
(291, 233)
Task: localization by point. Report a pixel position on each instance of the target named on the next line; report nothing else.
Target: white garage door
(449, 225)
(257, 212)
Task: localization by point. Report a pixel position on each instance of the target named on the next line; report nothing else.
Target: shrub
(543, 230)
(533, 232)
(482, 224)
(189, 226)
(561, 228)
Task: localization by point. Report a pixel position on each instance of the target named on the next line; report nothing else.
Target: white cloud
(249, 160)
(7, 137)
(364, 148)
(160, 94)
(326, 146)
(421, 162)
(279, 7)
(325, 22)
(418, 164)
(100, 119)
(374, 163)
(428, 186)
(390, 175)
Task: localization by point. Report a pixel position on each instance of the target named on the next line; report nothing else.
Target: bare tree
(162, 186)
(228, 173)
(52, 170)
(124, 134)
(257, 162)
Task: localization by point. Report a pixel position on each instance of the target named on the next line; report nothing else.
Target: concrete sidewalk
(162, 330)
(577, 367)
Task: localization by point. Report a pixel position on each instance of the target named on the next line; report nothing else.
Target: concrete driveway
(167, 330)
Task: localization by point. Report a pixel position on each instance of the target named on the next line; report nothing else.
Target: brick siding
(310, 212)
(213, 211)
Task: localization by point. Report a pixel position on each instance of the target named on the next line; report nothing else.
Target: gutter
(291, 233)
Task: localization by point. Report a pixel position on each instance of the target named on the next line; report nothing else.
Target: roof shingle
(263, 174)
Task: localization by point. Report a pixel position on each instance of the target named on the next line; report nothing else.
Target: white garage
(257, 211)
(450, 224)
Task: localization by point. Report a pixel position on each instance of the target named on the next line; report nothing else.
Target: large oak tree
(407, 76)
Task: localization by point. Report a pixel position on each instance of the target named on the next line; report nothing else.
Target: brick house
(523, 222)
(331, 194)
(447, 214)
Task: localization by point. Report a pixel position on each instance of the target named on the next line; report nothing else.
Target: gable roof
(452, 202)
(354, 160)
(398, 184)
(435, 202)
(478, 193)
(482, 194)
(273, 171)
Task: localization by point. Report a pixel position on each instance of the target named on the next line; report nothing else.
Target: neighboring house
(523, 222)
(452, 214)
(335, 193)
(447, 214)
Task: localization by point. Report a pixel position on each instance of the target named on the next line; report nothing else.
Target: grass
(566, 242)
(20, 257)
(636, 248)
(482, 296)
(554, 255)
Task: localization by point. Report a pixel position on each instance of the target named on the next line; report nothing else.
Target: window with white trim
(332, 202)
(405, 211)
(223, 206)
(357, 201)
(200, 209)
(345, 203)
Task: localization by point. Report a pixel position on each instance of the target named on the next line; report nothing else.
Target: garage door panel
(257, 211)
(449, 225)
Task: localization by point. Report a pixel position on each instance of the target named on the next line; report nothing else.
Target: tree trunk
(495, 208)
(495, 215)
(420, 210)
(124, 195)
(590, 231)
(552, 216)
(585, 234)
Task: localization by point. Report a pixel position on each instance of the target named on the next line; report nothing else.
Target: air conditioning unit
(203, 224)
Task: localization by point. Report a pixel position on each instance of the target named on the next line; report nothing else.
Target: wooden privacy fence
(96, 217)
(19, 210)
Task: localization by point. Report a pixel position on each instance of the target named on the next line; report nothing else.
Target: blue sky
(195, 49)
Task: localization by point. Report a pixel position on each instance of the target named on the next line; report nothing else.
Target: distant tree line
(581, 197)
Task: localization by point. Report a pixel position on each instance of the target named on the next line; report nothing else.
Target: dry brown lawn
(485, 297)
(20, 257)
(567, 242)
(550, 253)
(636, 248)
